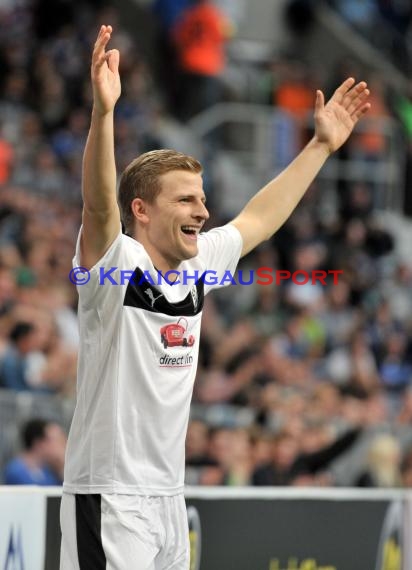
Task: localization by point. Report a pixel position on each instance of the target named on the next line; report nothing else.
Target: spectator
(14, 372)
(353, 366)
(168, 12)
(36, 359)
(289, 463)
(197, 442)
(361, 15)
(239, 463)
(6, 160)
(338, 316)
(200, 35)
(383, 463)
(42, 459)
(396, 369)
(294, 96)
(295, 93)
(406, 470)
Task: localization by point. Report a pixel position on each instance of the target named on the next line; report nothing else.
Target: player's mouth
(191, 232)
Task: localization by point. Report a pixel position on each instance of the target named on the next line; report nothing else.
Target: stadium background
(315, 380)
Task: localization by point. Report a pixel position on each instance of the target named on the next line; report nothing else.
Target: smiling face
(169, 227)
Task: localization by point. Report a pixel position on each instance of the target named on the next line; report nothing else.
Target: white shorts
(124, 532)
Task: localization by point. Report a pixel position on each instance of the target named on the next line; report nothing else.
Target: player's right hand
(105, 73)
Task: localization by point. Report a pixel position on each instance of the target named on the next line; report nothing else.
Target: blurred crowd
(386, 23)
(298, 384)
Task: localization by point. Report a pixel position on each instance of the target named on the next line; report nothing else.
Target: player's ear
(140, 210)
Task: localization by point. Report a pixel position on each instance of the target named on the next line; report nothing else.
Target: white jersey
(139, 345)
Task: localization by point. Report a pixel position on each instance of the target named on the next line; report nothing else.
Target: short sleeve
(89, 283)
(219, 251)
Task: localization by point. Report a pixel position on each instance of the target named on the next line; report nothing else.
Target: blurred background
(304, 385)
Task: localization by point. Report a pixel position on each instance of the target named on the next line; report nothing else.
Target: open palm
(105, 73)
(335, 121)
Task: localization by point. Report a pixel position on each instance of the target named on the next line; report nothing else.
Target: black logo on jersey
(152, 298)
(141, 294)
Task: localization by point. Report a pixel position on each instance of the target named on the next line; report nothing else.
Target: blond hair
(384, 458)
(140, 179)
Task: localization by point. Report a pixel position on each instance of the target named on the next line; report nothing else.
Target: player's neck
(160, 261)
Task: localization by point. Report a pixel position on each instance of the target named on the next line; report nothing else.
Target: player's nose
(201, 211)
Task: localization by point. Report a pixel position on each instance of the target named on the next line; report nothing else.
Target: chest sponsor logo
(175, 335)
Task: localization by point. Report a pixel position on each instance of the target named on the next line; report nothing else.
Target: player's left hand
(335, 121)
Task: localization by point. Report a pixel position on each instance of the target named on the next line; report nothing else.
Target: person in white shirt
(123, 506)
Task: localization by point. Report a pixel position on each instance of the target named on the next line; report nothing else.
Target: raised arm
(101, 216)
(266, 212)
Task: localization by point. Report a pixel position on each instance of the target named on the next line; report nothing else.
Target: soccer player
(123, 505)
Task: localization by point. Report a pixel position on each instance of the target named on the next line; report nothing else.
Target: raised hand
(335, 121)
(105, 73)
